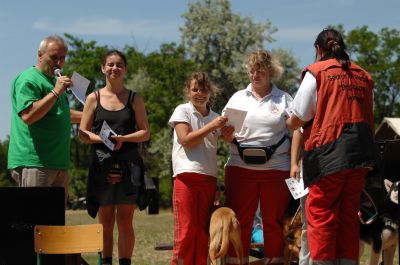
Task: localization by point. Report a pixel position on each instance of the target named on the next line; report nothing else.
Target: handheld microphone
(57, 72)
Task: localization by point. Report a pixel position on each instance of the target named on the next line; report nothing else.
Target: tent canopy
(389, 129)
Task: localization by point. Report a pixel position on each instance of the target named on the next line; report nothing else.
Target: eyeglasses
(253, 72)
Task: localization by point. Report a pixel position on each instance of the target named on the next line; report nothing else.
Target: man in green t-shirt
(39, 146)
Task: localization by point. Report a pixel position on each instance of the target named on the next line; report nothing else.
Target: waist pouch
(115, 171)
(253, 154)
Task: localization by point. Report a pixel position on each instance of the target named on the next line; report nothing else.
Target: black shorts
(115, 194)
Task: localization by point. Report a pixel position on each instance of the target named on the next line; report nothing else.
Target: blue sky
(147, 24)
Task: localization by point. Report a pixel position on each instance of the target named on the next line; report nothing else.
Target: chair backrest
(68, 239)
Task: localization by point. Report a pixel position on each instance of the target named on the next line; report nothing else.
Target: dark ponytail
(331, 42)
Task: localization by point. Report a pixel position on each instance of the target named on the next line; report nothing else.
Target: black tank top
(121, 121)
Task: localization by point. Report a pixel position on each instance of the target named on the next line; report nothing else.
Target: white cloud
(110, 27)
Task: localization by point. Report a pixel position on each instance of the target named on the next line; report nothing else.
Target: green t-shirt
(45, 143)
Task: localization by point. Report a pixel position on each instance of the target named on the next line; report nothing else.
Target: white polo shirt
(202, 158)
(264, 125)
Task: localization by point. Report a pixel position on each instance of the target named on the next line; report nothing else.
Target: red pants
(193, 198)
(331, 208)
(244, 188)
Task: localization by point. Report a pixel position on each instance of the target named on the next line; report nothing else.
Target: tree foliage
(160, 79)
(217, 40)
(5, 177)
(85, 58)
(379, 53)
(290, 79)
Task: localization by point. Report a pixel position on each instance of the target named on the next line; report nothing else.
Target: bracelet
(55, 93)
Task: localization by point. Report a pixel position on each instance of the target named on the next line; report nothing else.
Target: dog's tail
(236, 239)
(221, 239)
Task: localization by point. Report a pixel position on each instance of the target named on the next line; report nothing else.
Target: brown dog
(224, 228)
(292, 235)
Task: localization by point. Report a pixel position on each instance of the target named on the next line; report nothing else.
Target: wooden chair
(74, 239)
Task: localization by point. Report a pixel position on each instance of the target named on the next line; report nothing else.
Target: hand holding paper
(296, 187)
(105, 134)
(80, 85)
(235, 118)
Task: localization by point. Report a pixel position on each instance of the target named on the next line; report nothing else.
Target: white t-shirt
(304, 104)
(202, 158)
(264, 125)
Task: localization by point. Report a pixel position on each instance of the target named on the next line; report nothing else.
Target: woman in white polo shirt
(194, 159)
(260, 178)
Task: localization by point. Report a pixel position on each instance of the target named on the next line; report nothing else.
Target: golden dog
(224, 228)
(292, 235)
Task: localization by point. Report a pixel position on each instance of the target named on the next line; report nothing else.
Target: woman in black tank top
(125, 114)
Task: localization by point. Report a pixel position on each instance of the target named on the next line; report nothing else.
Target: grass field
(149, 230)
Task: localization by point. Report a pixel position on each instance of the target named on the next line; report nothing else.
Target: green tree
(217, 40)
(290, 79)
(160, 79)
(5, 177)
(379, 53)
(85, 58)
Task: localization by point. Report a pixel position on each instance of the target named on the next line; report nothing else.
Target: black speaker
(21, 209)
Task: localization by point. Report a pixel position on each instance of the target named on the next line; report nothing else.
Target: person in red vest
(334, 105)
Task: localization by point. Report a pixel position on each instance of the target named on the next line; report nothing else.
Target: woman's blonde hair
(204, 83)
(264, 60)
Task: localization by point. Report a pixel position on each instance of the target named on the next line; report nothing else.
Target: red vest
(344, 111)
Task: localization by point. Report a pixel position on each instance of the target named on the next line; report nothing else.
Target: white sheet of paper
(296, 188)
(105, 132)
(235, 118)
(80, 86)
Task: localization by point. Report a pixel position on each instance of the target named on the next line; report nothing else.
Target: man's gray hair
(54, 38)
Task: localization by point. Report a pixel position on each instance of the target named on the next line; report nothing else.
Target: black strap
(97, 94)
(235, 142)
(269, 150)
(131, 97)
(275, 146)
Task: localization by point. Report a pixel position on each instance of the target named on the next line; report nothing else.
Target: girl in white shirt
(195, 169)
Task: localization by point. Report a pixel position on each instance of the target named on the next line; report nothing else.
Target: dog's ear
(388, 184)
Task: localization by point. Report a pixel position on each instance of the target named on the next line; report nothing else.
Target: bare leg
(107, 219)
(126, 235)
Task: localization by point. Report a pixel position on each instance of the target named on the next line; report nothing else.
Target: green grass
(149, 230)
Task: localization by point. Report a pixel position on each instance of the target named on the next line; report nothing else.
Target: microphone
(57, 72)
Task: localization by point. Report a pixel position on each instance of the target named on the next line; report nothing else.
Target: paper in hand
(105, 134)
(235, 118)
(296, 187)
(80, 85)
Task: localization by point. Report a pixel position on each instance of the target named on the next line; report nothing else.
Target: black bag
(252, 154)
(147, 191)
